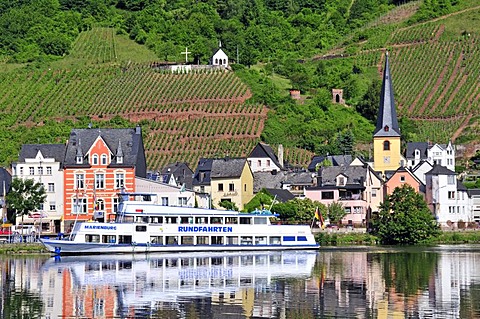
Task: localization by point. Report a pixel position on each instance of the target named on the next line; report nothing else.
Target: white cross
(186, 54)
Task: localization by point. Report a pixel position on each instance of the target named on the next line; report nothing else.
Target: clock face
(386, 159)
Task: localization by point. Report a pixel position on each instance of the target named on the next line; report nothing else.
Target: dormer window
(95, 159)
(386, 128)
(79, 159)
(341, 181)
(417, 153)
(104, 159)
(120, 159)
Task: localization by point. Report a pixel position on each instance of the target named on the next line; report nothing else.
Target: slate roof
(180, 171)
(227, 167)
(354, 174)
(130, 141)
(282, 195)
(56, 151)
(337, 160)
(440, 170)
(5, 177)
(461, 187)
(421, 146)
(204, 168)
(263, 150)
(387, 114)
(405, 169)
(276, 180)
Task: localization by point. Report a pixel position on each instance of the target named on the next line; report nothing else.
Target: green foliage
(25, 196)
(404, 218)
(335, 212)
(298, 210)
(262, 200)
(326, 238)
(228, 205)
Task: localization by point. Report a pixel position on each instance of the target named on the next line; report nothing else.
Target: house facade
(219, 57)
(43, 164)
(263, 159)
(440, 154)
(447, 198)
(231, 180)
(403, 176)
(98, 164)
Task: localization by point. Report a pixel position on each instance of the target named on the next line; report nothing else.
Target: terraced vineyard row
(416, 34)
(96, 46)
(110, 90)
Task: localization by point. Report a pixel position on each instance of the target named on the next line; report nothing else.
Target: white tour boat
(142, 225)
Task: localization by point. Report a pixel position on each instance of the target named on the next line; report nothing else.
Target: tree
(25, 196)
(368, 108)
(228, 205)
(335, 212)
(404, 218)
(261, 200)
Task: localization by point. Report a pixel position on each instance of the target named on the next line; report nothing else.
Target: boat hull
(65, 247)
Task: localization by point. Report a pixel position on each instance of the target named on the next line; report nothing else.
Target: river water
(358, 282)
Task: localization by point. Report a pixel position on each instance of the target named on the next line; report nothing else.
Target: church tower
(386, 137)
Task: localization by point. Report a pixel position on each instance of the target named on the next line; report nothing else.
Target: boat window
(202, 261)
(141, 219)
(92, 238)
(201, 220)
(171, 240)
(156, 220)
(202, 240)
(274, 240)
(127, 219)
(246, 260)
(246, 240)
(260, 220)
(232, 240)
(216, 220)
(186, 220)
(217, 240)
(187, 240)
(288, 238)
(231, 220)
(157, 240)
(124, 264)
(170, 220)
(261, 260)
(260, 240)
(109, 239)
(246, 220)
(301, 238)
(125, 239)
(141, 228)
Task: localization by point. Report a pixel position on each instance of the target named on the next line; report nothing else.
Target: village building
(177, 174)
(43, 164)
(441, 154)
(403, 176)
(98, 165)
(219, 57)
(263, 159)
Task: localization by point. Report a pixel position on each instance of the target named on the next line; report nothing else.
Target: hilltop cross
(186, 54)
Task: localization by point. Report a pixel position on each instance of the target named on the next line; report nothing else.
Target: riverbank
(22, 248)
(333, 238)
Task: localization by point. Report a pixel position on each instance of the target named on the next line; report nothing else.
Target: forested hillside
(68, 63)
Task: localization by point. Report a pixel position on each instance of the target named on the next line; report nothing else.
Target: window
(40, 207)
(79, 181)
(259, 162)
(341, 180)
(386, 145)
(268, 163)
(119, 180)
(374, 192)
(99, 181)
(51, 187)
(40, 170)
(220, 187)
(451, 179)
(79, 159)
(357, 210)
(402, 179)
(104, 159)
(327, 195)
(231, 187)
(417, 153)
(31, 170)
(386, 128)
(244, 187)
(79, 206)
(21, 170)
(115, 204)
(100, 205)
(49, 170)
(451, 195)
(95, 159)
(182, 201)
(52, 206)
(164, 201)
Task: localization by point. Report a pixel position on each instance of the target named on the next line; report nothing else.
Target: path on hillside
(461, 128)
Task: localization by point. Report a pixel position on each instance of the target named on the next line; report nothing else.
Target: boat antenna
(273, 201)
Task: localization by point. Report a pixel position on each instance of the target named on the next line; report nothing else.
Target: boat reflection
(122, 285)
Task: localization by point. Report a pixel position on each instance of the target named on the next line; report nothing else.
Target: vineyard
(184, 116)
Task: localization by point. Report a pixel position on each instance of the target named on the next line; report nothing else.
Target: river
(357, 282)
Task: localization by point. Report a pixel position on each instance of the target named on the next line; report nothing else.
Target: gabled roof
(355, 174)
(202, 172)
(420, 164)
(276, 180)
(387, 115)
(180, 171)
(282, 195)
(56, 151)
(263, 150)
(440, 170)
(129, 139)
(402, 169)
(421, 146)
(227, 167)
(336, 160)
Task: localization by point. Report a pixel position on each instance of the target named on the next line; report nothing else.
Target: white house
(42, 163)
(447, 198)
(441, 154)
(219, 57)
(263, 159)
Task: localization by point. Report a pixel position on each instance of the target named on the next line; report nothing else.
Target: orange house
(98, 163)
(401, 177)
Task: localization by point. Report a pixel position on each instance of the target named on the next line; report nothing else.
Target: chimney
(280, 155)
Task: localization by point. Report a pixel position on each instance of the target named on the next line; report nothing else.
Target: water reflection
(439, 282)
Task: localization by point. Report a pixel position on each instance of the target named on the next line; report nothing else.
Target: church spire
(387, 123)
